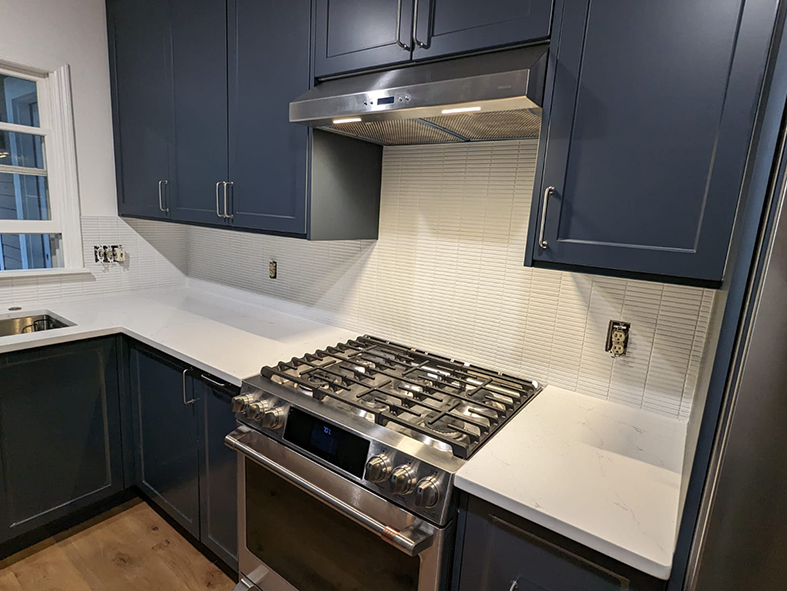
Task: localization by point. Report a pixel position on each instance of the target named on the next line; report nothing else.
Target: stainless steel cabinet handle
(541, 240)
(415, 28)
(227, 184)
(412, 540)
(399, 28)
(193, 400)
(214, 382)
(161, 196)
(218, 213)
(514, 586)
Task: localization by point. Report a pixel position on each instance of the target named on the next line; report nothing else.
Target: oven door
(303, 527)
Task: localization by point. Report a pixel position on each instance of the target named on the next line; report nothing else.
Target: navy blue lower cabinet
(60, 444)
(218, 469)
(649, 115)
(497, 549)
(164, 415)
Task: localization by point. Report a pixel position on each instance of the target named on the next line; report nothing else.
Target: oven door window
(314, 547)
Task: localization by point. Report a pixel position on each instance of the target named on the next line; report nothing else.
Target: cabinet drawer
(499, 549)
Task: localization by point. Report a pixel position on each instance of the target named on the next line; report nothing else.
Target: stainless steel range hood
(491, 96)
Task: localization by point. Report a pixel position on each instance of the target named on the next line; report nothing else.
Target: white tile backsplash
(156, 257)
(446, 274)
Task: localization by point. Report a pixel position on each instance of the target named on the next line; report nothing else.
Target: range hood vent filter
(401, 132)
(500, 125)
(446, 129)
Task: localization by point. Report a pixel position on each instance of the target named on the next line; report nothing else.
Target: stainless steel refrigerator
(740, 541)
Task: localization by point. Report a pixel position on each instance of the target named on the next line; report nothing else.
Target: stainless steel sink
(35, 322)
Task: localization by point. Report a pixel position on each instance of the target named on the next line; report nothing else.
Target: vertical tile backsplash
(446, 274)
(156, 257)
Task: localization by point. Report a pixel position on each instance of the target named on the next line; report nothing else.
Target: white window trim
(56, 120)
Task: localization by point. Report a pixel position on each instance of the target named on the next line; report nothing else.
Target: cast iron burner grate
(455, 405)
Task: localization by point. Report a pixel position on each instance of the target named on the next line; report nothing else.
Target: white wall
(48, 34)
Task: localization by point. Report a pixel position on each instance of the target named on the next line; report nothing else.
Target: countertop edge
(648, 566)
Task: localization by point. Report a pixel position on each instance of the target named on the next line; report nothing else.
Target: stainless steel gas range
(347, 460)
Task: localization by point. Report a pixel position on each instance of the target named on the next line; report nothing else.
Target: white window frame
(56, 120)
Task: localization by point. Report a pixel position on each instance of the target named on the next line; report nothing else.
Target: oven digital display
(327, 441)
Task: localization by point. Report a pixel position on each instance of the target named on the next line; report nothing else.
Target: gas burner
(447, 404)
(373, 403)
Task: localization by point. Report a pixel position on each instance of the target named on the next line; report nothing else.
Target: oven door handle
(412, 540)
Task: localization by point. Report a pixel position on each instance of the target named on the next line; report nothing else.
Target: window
(39, 200)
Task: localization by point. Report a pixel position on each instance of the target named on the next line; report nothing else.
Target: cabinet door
(500, 549)
(648, 137)
(269, 41)
(459, 26)
(165, 436)
(199, 44)
(60, 447)
(140, 38)
(360, 34)
(218, 472)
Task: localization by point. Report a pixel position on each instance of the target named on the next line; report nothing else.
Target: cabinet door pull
(218, 213)
(194, 399)
(399, 28)
(514, 585)
(227, 215)
(541, 239)
(214, 382)
(161, 196)
(415, 27)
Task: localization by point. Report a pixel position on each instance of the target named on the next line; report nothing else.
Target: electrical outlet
(118, 253)
(617, 338)
(273, 270)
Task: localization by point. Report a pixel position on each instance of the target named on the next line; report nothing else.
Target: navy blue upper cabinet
(60, 440)
(446, 27)
(269, 67)
(165, 436)
(361, 34)
(140, 41)
(647, 135)
(199, 50)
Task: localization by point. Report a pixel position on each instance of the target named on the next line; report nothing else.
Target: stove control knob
(378, 468)
(273, 418)
(239, 403)
(427, 492)
(403, 480)
(254, 410)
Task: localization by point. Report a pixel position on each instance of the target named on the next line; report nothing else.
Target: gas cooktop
(396, 420)
(448, 404)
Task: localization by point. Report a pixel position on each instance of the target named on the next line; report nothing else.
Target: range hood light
(460, 110)
(347, 120)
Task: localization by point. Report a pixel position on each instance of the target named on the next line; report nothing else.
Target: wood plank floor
(128, 548)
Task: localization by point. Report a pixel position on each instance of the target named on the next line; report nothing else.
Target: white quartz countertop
(597, 472)
(602, 474)
(229, 338)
